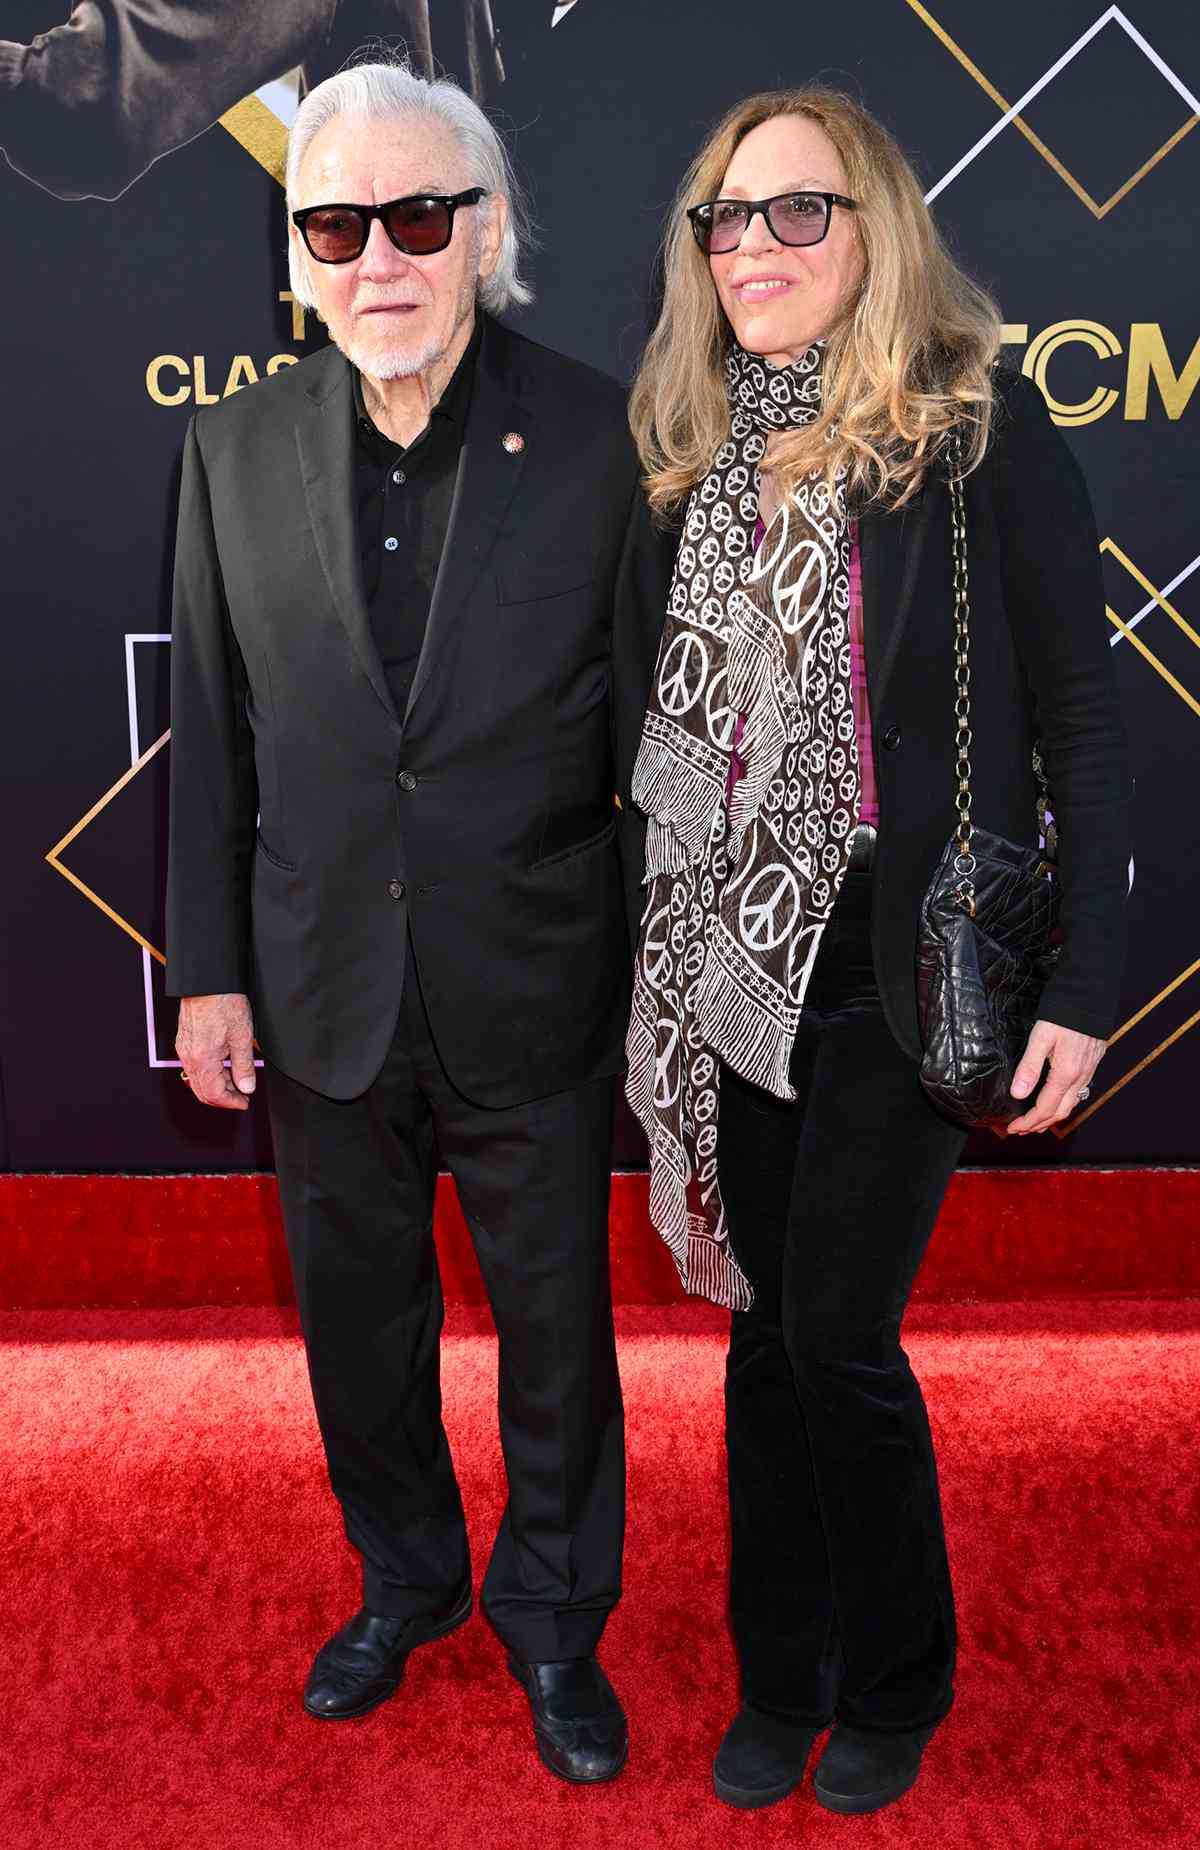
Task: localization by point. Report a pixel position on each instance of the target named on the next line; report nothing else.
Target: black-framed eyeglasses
(793, 218)
(419, 224)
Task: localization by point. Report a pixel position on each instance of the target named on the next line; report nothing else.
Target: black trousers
(841, 1600)
(357, 1183)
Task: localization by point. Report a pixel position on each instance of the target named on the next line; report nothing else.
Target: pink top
(869, 807)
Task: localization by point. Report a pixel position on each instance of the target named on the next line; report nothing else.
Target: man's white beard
(392, 362)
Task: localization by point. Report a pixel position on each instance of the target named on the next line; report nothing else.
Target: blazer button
(396, 889)
(407, 780)
(891, 738)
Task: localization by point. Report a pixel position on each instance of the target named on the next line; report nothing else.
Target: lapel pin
(513, 442)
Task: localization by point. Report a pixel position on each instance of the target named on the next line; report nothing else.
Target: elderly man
(416, 611)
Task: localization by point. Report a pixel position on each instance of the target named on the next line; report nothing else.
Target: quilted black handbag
(988, 936)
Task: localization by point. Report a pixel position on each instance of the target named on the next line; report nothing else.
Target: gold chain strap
(964, 860)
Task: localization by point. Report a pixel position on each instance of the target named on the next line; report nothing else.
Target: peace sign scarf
(748, 771)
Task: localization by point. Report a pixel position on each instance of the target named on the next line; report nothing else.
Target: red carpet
(172, 1559)
(124, 1242)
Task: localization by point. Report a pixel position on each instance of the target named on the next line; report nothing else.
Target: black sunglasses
(793, 218)
(419, 224)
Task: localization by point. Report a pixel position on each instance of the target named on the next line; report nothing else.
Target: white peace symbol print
(655, 953)
(722, 720)
(684, 668)
(799, 599)
(769, 907)
(666, 1083)
(801, 956)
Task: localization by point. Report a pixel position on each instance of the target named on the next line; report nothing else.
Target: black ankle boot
(761, 1759)
(861, 1772)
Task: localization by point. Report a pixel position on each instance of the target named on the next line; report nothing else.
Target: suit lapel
(325, 437)
(890, 547)
(484, 490)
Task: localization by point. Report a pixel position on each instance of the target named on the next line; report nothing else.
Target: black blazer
(482, 819)
(1041, 666)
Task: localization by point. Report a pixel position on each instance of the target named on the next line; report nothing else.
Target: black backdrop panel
(123, 313)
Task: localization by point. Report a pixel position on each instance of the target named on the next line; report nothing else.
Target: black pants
(357, 1182)
(841, 1598)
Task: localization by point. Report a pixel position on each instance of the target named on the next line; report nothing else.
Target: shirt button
(891, 738)
(407, 780)
(398, 477)
(390, 544)
(396, 889)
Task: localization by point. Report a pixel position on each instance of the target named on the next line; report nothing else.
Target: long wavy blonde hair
(908, 361)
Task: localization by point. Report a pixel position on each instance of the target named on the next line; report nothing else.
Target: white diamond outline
(1112, 16)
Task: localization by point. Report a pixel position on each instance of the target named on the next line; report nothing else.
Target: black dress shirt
(403, 499)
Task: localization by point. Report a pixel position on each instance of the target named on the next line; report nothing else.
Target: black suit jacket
(482, 819)
(1041, 665)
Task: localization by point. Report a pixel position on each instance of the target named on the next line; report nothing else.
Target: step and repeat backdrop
(144, 274)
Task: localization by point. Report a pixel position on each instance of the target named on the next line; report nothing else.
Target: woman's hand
(1073, 1059)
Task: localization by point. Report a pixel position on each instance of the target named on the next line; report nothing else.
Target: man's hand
(213, 1029)
(1073, 1059)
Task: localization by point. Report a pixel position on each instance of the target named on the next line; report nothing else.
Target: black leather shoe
(860, 1772)
(578, 1724)
(361, 1666)
(761, 1759)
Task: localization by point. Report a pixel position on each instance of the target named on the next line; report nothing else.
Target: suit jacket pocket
(276, 860)
(591, 844)
(527, 579)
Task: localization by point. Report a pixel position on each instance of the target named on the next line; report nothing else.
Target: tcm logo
(1147, 359)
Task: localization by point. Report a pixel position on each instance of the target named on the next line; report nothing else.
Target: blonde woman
(817, 357)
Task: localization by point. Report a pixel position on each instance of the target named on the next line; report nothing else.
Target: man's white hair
(395, 91)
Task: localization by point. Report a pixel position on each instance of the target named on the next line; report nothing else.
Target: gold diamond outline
(1081, 193)
(77, 829)
(1072, 1124)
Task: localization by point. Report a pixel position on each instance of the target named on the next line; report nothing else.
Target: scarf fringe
(640, 1056)
(712, 1271)
(681, 797)
(754, 1042)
